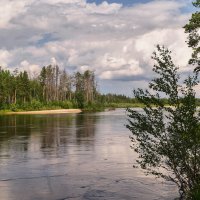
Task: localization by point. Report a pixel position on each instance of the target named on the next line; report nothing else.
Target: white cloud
(62, 1)
(32, 69)
(84, 68)
(5, 57)
(174, 39)
(53, 61)
(117, 42)
(10, 9)
(113, 62)
(103, 8)
(130, 70)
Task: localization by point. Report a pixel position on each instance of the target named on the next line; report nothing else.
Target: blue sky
(189, 8)
(114, 41)
(124, 2)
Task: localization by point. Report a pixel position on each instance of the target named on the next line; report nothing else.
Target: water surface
(72, 156)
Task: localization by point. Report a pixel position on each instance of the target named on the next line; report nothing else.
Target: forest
(53, 88)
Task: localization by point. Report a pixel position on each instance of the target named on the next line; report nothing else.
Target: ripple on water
(78, 156)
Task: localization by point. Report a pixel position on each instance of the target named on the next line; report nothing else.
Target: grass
(124, 105)
(90, 107)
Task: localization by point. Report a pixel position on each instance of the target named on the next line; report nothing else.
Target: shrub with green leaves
(167, 139)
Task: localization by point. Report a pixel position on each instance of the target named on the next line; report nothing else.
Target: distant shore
(44, 112)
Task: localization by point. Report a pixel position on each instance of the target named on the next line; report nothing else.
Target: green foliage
(13, 107)
(6, 86)
(167, 139)
(60, 104)
(194, 194)
(53, 89)
(80, 99)
(193, 28)
(66, 104)
(196, 3)
(35, 105)
(114, 98)
(123, 105)
(94, 107)
(23, 87)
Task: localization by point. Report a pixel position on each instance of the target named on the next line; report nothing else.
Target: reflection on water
(72, 156)
(19, 133)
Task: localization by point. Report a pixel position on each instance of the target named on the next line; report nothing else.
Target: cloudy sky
(115, 38)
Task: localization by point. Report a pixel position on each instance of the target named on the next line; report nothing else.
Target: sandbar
(45, 112)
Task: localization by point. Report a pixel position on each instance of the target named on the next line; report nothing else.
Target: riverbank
(44, 112)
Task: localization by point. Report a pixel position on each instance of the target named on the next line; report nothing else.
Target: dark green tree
(23, 87)
(79, 89)
(43, 82)
(50, 87)
(36, 90)
(167, 139)
(6, 86)
(193, 30)
(89, 86)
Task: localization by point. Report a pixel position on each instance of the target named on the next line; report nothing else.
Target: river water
(72, 156)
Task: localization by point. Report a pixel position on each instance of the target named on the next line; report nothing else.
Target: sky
(114, 38)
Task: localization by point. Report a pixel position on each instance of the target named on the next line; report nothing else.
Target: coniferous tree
(23, 87)
(51, 86)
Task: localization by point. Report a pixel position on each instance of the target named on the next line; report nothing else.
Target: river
(73, 156)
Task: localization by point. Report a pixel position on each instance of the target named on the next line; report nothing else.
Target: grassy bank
(124, 105)
(38, 106)
(56, 105)
(91, 107)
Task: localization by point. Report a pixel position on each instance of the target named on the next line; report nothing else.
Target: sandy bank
(44, 112)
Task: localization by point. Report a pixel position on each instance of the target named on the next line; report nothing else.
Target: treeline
(52, 87)
(116, 98)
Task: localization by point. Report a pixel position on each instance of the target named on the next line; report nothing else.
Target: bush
(194, 194)
(13, 107)
(167, 139)
(66, 105)
(36, 105)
